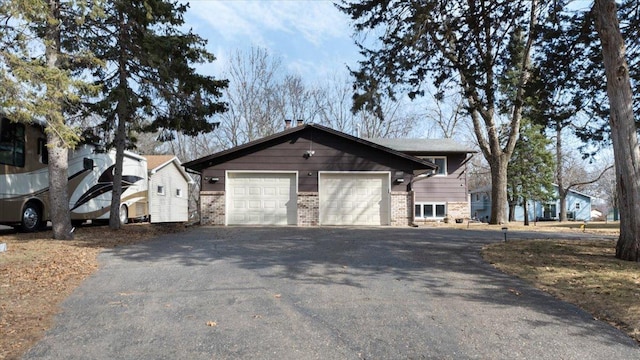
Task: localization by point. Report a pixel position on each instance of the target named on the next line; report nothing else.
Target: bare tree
(334, 103)
(446, 114)
(261, 95)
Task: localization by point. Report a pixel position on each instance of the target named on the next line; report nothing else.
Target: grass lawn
(582, 272)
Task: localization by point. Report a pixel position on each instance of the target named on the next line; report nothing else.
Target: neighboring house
(596, 214)
(443, 193)
(312, 175)
(168, 189)
(578, 206)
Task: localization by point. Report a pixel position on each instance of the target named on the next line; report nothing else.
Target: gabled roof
(157, 162)
(220, 157)
(440, 146)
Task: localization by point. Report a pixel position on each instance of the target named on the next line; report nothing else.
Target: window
(12, 143)
(178, 192)
(43, 151)
(430, 211)
(578, 205)
(441, 161)
(160, 190)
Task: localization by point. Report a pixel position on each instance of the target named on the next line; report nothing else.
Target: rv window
(12, 143)
(178, 192)
(43, 151)
(160, 190)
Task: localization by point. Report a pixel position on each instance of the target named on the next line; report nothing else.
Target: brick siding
(212, 208)
(308, 209)
(401, 206)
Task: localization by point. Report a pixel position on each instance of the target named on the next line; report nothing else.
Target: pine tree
(530, 170)
(40, 80)
(149, 82)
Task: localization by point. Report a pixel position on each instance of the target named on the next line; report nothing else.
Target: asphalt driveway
(318, 293)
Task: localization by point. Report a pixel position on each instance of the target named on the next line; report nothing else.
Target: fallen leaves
(212, 323)
(37, 273)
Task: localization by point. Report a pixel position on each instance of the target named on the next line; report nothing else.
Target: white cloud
(316, 21)
(312, 37)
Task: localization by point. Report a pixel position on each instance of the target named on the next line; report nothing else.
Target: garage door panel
(354, 199)
(262, 199)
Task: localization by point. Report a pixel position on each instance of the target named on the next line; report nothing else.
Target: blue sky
(312, 37)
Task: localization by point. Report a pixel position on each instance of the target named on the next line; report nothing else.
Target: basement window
(434, 211)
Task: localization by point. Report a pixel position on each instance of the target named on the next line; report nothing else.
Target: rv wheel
(31, 218)
(124, 214)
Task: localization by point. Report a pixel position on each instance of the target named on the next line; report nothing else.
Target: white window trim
(179, 193)
(433, 204)
(432, 159)
(160, 190)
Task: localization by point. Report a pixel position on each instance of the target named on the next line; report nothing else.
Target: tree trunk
(116, 194)
(498, 190)
(512, 212)
(58, 160)
(623, 129)
(526, 211)
(58, 193)
(562, 194)
(120, 136)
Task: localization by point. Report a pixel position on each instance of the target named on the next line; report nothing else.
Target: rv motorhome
(24, 180)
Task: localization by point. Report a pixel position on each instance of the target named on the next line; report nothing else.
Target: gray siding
(452, 187)
(330, 154)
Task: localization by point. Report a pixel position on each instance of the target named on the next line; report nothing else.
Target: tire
(124, 214)
(31, 218)
(77, 223)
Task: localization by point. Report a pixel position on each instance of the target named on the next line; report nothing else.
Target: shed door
(354, 199)
(261, 199)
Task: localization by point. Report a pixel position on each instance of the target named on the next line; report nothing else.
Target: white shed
(168, 189)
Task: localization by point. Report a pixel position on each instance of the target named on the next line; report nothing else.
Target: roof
(220, 157)
(157, 162)
(423, 145)
(487, 189)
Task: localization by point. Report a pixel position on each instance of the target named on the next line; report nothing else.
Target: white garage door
(354, 199)
(261, 199)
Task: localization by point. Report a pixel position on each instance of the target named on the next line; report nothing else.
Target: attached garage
(309, 175)
(354, 198)
(258, 198)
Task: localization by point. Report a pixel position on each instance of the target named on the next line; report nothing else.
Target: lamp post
(504, 231)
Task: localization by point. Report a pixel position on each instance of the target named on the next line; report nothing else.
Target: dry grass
(584, 273)
(37, 273)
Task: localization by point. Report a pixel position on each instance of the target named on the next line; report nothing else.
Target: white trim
(433, 204)
(434, 157)
(388, 192)
(230, 172)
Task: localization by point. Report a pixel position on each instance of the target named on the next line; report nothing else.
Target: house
(578, 206)
(443, 193)
(168, 189)
(311, 175)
